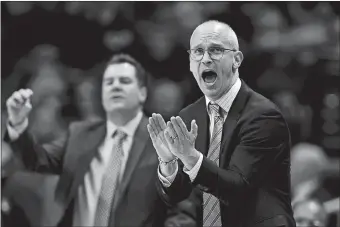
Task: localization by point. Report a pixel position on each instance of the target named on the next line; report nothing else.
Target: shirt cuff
(167, 181)
(15, 132)
(194, 171)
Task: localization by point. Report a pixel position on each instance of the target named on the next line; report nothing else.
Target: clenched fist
(19, 106)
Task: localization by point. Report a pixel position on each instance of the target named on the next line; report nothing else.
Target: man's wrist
(168, 169)
(190, 160)
(14, 131)
(161, 161)
(14, 124)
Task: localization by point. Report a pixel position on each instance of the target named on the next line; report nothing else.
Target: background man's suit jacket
(137, 201)
(254, 189)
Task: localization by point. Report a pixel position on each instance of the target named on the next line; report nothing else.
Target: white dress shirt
(88, 192)
(225, 103)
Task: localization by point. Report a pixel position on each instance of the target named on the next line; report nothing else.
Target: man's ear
(238, 58)
(143, 94)
(191, 67)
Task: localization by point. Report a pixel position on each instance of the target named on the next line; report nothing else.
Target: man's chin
(211, 90)
(213, 95)
(117, 107)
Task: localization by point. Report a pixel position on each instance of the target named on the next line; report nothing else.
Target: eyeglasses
(215, 53)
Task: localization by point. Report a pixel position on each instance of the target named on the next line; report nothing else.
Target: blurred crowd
(58, 49)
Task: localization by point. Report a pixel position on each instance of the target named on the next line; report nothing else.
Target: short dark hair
(141, 73)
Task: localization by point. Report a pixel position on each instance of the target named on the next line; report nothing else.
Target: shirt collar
(227, 99)
(129, 128)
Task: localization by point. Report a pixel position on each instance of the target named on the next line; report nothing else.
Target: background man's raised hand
(19, 106)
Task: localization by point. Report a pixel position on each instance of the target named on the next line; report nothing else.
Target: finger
(29, 91)
(171, 130)
(176, 127)
(161, 121)
(194, 128)
(151, 133)
(155, 120)
(26, 93)
(153, 125)
(17, 97)
(168, 137)
(23, 94)
(182, 125)
(150, 120)
(11, 103)
(28, 104)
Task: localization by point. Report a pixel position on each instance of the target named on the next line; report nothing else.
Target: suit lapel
(202, 120)
(138, 147)
(85, 147)
(231, 121)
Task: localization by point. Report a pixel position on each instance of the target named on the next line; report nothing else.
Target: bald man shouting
(229, 150)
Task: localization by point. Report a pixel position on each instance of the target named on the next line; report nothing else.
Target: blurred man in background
(310, 213)
(310, 170)
(243, 175)
(107, 167)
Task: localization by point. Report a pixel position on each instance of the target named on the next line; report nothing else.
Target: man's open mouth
(209, 76)
(116, 97)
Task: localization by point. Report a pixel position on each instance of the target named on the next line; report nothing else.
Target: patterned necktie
(110, 181)
(211, 205)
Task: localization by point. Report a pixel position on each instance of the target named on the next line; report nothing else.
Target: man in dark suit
(235, 160)
(107, 168)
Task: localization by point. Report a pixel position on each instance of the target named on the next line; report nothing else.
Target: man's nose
(116, 85)
(206, 58)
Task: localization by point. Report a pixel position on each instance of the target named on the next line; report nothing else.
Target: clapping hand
(156, 128)
(173, 139)
(181, 141)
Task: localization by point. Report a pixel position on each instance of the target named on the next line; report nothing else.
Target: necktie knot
(215, 109)
(119, 135)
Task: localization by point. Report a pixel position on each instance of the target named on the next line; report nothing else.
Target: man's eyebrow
(216, 44)
(197, 46)
(211, 45)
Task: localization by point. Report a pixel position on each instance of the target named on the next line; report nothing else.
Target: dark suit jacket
(253, 180)
(136, 203)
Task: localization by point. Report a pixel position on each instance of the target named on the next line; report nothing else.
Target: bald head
(214, 26)
(214, 47)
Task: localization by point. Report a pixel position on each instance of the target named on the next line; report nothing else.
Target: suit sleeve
(263, 141)
(47, 158)
(178, 191)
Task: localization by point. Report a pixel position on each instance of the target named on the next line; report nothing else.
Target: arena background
(291, 52)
